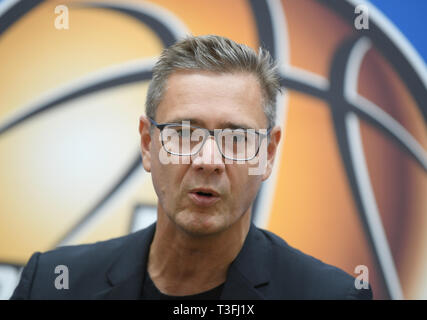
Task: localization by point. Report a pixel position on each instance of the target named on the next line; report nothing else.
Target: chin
(199, 225)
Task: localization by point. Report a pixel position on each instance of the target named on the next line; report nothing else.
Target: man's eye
(184, 132)
(239, 138)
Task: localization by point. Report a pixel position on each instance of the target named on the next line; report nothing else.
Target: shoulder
(86, 267)
(100, 251)
(309, 278)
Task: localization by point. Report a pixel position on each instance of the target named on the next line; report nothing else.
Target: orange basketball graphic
(349, 186)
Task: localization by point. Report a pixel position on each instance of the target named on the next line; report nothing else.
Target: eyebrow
(225, 124)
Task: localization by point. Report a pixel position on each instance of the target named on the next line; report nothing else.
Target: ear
(275, 135)
(144, 132)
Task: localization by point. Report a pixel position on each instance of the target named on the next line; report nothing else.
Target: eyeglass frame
(161, 126)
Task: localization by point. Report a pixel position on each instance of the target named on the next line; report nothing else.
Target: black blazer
(266, 268)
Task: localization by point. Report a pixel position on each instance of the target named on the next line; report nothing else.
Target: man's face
(212, 101)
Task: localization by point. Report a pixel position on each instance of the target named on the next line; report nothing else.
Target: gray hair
(217, 54)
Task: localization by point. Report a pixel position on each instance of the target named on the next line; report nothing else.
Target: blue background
(409, 16)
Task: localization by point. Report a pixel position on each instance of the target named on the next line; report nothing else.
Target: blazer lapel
(126, 274)
(247, 276)
(249, 272)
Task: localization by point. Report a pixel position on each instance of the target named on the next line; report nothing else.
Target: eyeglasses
(233, 144)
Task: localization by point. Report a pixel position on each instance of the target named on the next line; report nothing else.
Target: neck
(184, 264)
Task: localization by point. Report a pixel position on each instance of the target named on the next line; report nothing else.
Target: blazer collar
(126, 274)
(246, 274)
(250, 270)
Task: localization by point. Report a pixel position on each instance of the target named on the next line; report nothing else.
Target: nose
(209, 159)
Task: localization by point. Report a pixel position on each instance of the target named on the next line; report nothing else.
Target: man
(209, 140)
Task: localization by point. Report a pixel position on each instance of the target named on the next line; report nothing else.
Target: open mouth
(204, 198)
(204, 194)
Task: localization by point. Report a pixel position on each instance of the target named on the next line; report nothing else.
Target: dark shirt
(150, 292)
